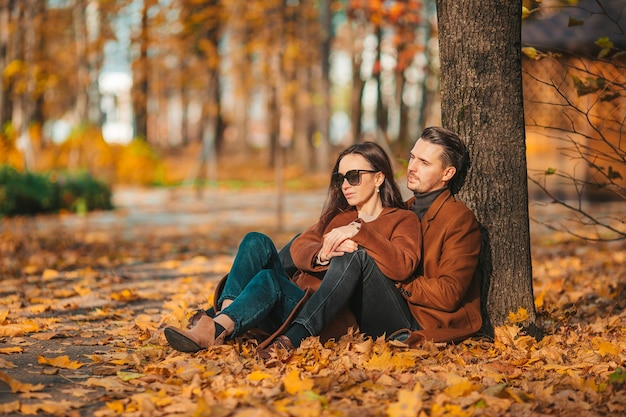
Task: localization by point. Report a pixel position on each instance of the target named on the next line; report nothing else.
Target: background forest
(217, 78)
(171, 91)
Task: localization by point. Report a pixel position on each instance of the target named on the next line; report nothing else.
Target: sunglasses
(353, 176)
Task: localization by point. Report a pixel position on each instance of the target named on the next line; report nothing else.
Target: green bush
(82, 193)
(28, 193)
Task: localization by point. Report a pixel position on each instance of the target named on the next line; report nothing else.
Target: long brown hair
(379, 160)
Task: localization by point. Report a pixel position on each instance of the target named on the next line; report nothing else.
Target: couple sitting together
(405, 270)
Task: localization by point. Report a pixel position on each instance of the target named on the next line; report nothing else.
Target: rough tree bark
(481, 88)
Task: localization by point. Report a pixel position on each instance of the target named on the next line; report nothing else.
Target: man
(444, 294)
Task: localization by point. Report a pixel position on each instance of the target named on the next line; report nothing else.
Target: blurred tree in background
(233, 88)
(210, 79)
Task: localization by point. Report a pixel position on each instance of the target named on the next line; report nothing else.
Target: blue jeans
(354, 280)
(262, 294)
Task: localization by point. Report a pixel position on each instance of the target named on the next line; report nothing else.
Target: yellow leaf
(60, 362)
(258, 376)
(30, 270)
(8, 408)
(49, 274)
(125, 295)
(13, 349)
(39, 308)
(171, 264)
(604, 347)
(408, 405)
(3, 316)
(294, 384)
(562, 369)
(388, 360)
(450, 410)
(63, 293)
(82, 290)
(518, 317)
(127, 376)
(12, 330)
(459, 386)
(116, 406)
(530, 52)
(518, 395)
(17, 386)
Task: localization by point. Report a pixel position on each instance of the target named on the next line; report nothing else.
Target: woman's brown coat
(393, 240)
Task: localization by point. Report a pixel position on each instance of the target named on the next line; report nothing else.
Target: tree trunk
(24, 104)
(301, 153)
(356, 97)
(403, 132)
(82, 69)
(481, 88)
(322, 149)
(5, 58)
(381, 109)
(242, 75)
(140, 84)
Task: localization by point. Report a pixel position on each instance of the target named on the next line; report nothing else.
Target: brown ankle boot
(200, 337)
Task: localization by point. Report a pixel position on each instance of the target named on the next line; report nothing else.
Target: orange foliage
(119, 362)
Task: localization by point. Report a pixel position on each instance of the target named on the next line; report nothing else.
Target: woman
(363, 242)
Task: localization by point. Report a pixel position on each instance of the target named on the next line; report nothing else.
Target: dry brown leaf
(17, 386)
(11, 349)
(10, 407)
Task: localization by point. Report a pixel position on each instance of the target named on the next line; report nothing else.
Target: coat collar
(431, 213)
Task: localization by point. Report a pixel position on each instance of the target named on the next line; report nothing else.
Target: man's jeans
(354, 280)
(262, 294)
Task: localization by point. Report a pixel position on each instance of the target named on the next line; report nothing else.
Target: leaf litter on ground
(81, 334)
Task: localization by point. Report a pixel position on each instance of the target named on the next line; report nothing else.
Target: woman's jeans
(262, 294)
(354, 280)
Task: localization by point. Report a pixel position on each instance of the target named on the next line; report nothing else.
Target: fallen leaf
(408, 405)
(12, 349)
(17, 386)
(295, 383)
(60, 362)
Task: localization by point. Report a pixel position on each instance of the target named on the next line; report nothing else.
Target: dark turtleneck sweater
(423, 201)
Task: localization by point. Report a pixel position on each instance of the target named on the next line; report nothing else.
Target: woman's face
(365, 191)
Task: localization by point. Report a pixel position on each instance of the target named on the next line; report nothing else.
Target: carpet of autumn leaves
(82, 307)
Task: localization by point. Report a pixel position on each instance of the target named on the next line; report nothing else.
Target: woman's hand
(339, 241)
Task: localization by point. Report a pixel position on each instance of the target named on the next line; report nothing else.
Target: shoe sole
(180, 342)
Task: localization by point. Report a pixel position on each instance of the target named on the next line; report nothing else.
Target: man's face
(426, 171)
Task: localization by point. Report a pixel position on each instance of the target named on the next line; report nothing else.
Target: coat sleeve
(305, 247)
(393, 241)
(396, 252)
(457, 264)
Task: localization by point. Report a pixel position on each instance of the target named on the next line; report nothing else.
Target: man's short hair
(454, 153)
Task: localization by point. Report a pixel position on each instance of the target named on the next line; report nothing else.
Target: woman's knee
(360, 254)
(267, 279)
(254, 240)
